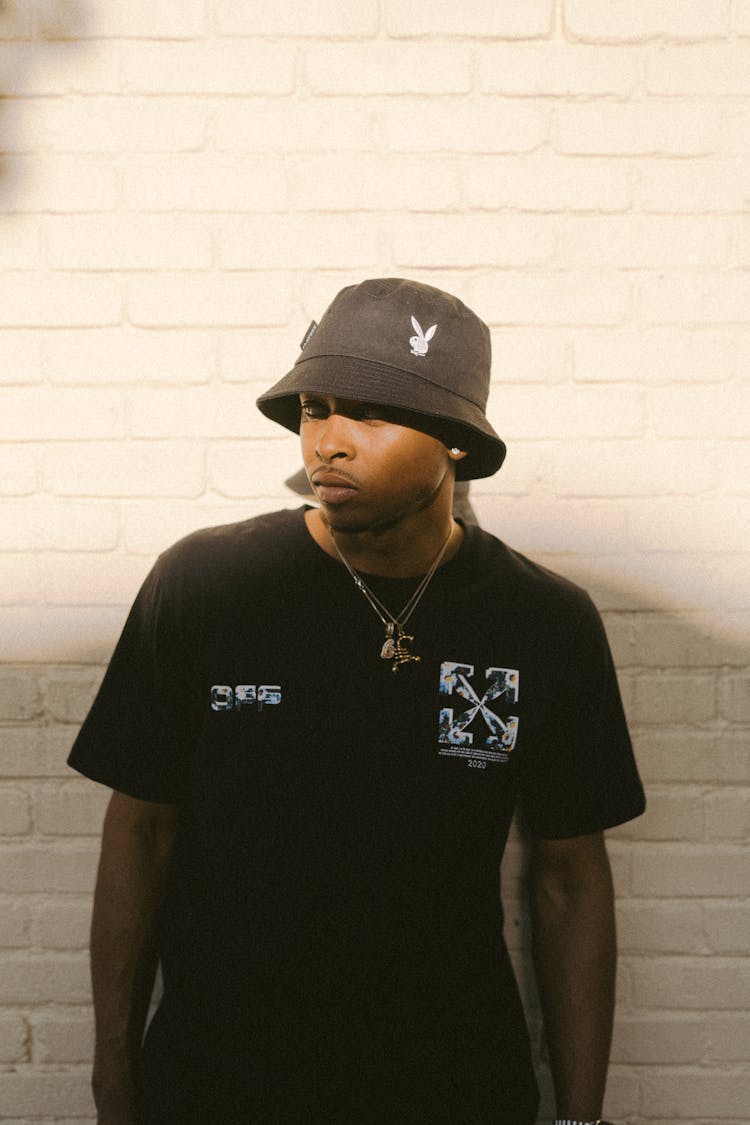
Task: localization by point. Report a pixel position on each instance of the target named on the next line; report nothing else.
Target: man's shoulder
(213, 558)
(522, 577)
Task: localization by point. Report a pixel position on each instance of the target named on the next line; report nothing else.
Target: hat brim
(430, 408)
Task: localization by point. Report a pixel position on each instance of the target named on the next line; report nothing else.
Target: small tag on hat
(312, 329)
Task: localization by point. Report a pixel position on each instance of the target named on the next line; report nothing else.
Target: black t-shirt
(332, 945)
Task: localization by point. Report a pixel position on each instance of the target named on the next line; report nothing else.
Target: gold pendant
(401, 654)
(388, 650)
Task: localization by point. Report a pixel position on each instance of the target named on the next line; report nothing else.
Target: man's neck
(405, 549)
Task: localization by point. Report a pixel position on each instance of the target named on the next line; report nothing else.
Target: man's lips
(333, 488)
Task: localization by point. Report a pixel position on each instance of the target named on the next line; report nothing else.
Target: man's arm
(136, 846)
(575, 953)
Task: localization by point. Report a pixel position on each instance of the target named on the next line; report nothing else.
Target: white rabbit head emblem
(421, 342)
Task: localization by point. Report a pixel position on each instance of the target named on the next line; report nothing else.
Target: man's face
(368, 468)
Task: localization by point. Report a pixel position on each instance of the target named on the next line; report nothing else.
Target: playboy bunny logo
(421, 342)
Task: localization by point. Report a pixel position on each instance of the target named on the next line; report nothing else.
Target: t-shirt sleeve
(136, 737)
(582, 776)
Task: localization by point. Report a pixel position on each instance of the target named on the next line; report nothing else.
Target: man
(317, 725)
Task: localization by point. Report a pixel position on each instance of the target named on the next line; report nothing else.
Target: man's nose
(336, 437)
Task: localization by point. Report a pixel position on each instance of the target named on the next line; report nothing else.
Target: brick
(728, 814)
(63, 924)
(636, 20)
(556, 69)
(79, 634)
(15, 812)
(132, 242)
(34, 1094)
(689, 871)
(126, 469)
(710, 298)
(700, 525)
(208, 67)
(645, 242)
(549, 183)
(660, 355)
(204, 182)
(472, 240)
(148, 19)
(115, 124)
(530, 355)
(726, 927)
(659, 926)
(550, 298)
(16, 20)
(65, 525)
(66, 1038)
(68, 692)
(734, 128)
(568, 413)
(223, 411)
(493, 125)
(258, 356)
(565, 527)
(692, 756)
(297, 242)
(729, 1038)
(122, 355)
(741, 16)
(703, 69)
(254, 469)
(361, 182)
(15, 923)
(27, 752)
(676, 814)
(687, 1094)
(663, 640)
(666, 186)
(13, 1039)
(32, 979)
(17, 471)
(69, 68)
(632, 129)
(19, 695)
(266, 126)
(663, 1039)
(68, 184)
(734, 698)
(733, 464)
(46, 415)
(683, 698)
(326, 19)
(54, 868)
(388, 68)
(617, 468)
(697, 982)
(75, 808)
(514, 19)
(20, 358)
(20, 247)
(240, 300)
(28, 301)
(92, 579)
(700, 411)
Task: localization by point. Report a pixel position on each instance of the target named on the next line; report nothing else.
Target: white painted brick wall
(183, 186)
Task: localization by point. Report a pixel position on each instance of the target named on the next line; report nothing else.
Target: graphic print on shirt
(478, 732)
(227, 698)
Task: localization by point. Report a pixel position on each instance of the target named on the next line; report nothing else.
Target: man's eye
(313, 410)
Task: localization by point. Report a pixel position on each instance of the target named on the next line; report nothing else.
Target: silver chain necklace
(394, 646)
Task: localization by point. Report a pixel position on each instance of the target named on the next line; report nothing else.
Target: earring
(455, 451)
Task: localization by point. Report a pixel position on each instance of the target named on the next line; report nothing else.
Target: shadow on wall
(31, 33)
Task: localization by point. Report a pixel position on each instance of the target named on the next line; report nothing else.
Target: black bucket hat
(402, 344)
